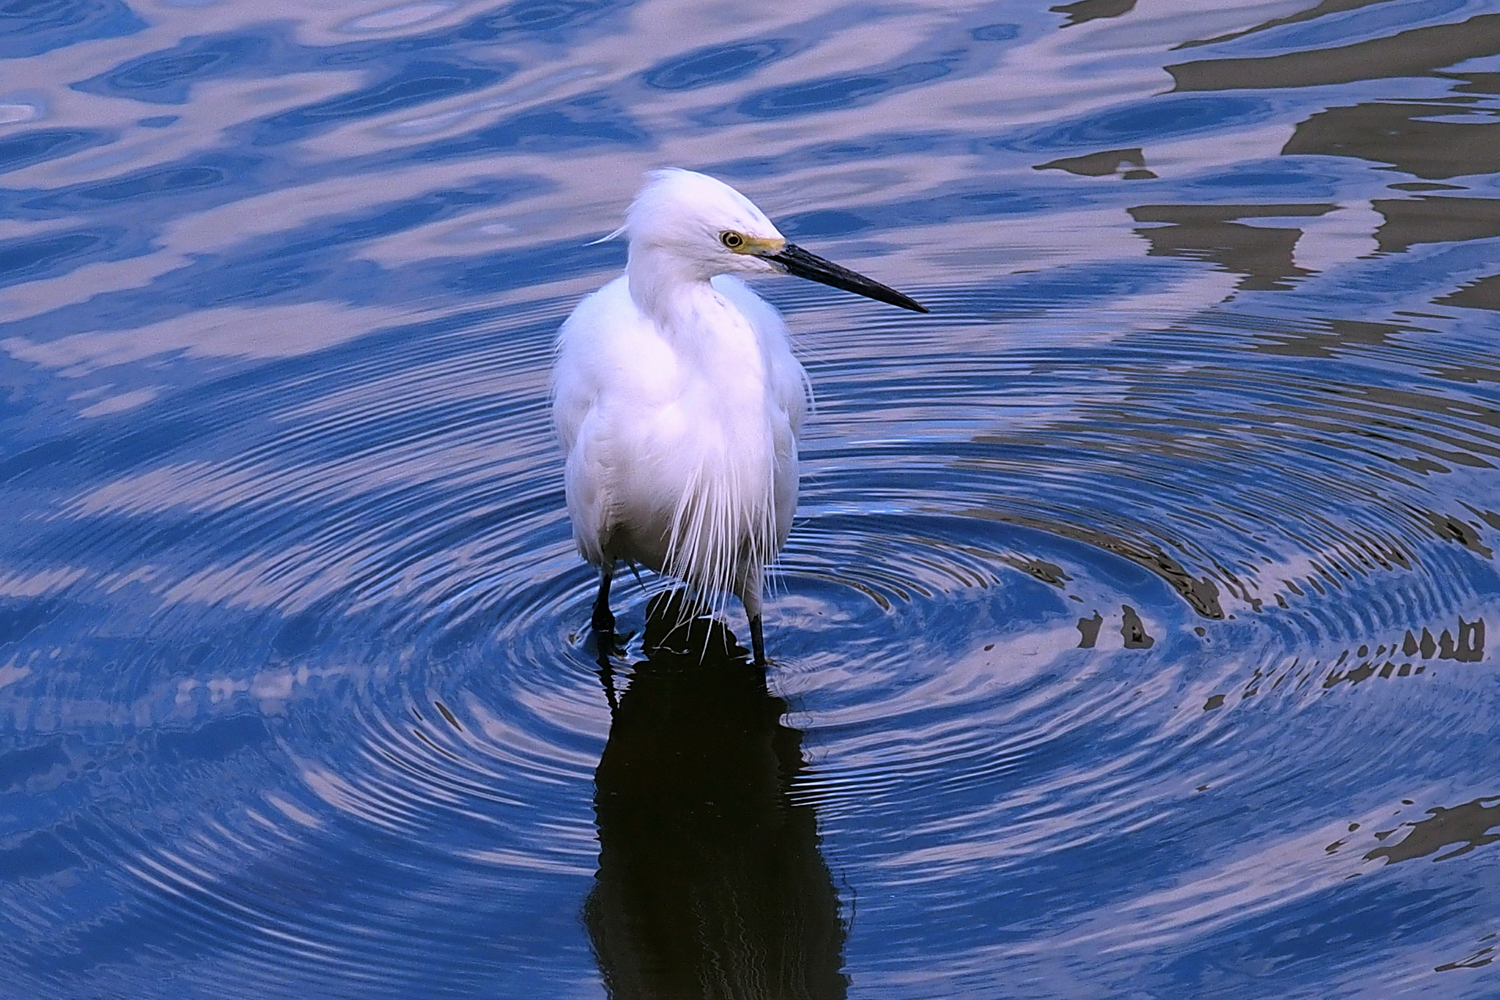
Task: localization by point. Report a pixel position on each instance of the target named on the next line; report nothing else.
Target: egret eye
(731, 239)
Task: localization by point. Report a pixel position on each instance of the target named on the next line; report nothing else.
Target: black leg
(757, 642)
(604, 619)
(749, 594)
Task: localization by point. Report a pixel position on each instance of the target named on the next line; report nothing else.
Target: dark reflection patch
(1200, 593)
(1464, 644)
(31, 27)
(1394, 134)
(416, 84)
(1468, 825)
(1477, 419)
(1039, 569)
(1207, 232)
(1312, 13)
(1133, 630)
(1435, 219)
(1102, 164)
(717, 64)
(30, 148)
(1088, 631)
(1340, 336)
(1476, 83)
(1409, 53)
(1481, 294)
(1467, 646)
(1092, 10)
(1451, 529)
(448, 716)
(710, 879)
(1475, 960)
(832, 92)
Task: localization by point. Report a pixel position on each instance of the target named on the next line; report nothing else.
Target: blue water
(1135, 637)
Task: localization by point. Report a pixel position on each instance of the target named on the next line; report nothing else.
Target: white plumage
(677, 399)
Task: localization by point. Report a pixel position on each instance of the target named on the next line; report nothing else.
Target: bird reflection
(710, 884)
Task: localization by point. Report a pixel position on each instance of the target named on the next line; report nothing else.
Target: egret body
(677, 399)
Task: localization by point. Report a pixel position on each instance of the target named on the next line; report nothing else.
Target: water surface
(1133, 639)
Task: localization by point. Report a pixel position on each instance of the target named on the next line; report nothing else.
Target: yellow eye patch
(740, 243)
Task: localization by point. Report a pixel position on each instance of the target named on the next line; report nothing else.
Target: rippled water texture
(1136, 637)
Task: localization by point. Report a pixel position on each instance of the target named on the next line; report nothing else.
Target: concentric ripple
(1026, 635)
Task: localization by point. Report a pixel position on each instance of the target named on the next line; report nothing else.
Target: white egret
(677, 400)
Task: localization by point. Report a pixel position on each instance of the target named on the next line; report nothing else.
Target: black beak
(795, 260)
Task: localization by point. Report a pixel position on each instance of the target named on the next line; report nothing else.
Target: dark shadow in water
(1401, 134)
(1428, 219)
(1327, 338)
(1200, 593)
(710, 884)
(1093, 10)
(1468, 825)
(1133, 630)
(1312, 13)
(1416, 52)
(1103, 163)
(1481, 294)
(1263, 254)
(1463, 645)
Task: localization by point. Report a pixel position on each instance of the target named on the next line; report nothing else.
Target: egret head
(711, 228)
(696, 218)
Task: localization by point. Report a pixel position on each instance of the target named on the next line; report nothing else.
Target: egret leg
(603, 619)
(757, 642)
(750, 596)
